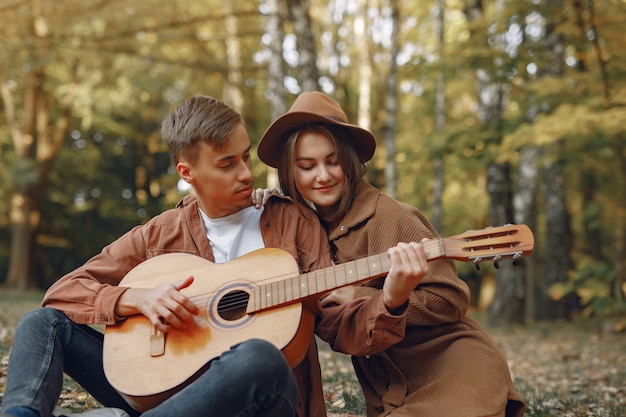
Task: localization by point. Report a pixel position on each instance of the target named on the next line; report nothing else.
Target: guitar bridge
(157, 342)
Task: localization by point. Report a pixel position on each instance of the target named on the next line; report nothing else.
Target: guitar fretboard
(298, 287)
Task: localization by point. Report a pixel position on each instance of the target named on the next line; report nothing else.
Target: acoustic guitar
(259, 295)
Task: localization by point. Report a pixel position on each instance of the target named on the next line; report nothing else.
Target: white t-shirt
(234, 235)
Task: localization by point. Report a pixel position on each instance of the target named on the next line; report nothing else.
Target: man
(211, 149)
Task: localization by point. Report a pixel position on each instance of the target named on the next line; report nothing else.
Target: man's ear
(185, 171)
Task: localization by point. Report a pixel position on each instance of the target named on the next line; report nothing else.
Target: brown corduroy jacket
(431, 360)
(88, 294)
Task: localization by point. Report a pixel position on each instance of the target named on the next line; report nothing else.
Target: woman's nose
(323, 174)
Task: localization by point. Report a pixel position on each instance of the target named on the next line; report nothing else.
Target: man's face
(222, 178)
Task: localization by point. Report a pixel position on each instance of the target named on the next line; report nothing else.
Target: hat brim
(271, 144)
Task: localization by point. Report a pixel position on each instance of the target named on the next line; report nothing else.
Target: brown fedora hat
(312, 108)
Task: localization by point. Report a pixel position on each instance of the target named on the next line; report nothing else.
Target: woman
(418, 355)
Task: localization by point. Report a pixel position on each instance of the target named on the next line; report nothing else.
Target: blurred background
(487, 112)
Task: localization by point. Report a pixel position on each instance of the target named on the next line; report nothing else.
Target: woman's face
(317, 173)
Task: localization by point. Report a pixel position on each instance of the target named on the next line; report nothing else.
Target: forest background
(487, 112)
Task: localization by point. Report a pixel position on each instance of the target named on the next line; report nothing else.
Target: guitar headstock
(493, 243)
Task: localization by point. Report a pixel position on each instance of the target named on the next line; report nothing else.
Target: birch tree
(391, 101)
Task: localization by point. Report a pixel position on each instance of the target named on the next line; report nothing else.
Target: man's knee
(262, 357)
(41, 315)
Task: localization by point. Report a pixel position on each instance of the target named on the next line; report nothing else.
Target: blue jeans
(251, 379)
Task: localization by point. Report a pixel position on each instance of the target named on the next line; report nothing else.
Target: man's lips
(245, 190)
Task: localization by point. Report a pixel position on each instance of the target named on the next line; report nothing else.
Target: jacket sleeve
(89, 293)
(361, 327)
(297, 230)
(364, 326)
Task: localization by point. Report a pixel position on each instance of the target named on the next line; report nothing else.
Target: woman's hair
(200, 119)
(347, 157)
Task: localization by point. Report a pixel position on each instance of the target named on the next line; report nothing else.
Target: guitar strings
(293, 283)
(238, 297)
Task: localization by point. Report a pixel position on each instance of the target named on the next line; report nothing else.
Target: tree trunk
(232, 89)
(275, 73)
(508, 302)
(524, 203)
(440, 122)
(591, 210)
(309, 74)
(21, 275)
(557, 242)
(391, 105)
(364, 65)
(558, 236)
(620, 227)
(36, 145)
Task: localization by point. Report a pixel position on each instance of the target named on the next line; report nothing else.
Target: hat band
(335, 118)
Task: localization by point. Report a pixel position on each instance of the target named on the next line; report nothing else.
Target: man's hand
(408, 266)
(165, 306)
(261, 195)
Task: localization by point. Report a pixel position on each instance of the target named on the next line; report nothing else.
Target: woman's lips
(325, 189)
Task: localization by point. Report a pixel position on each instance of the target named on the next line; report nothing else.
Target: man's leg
(251, 379)
(46, 344)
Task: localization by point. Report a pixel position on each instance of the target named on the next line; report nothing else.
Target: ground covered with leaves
(561, 369)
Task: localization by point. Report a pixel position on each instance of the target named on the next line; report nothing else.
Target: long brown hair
(347, 157)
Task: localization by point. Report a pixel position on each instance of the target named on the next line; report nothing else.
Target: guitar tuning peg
(516, 262)
(477, 262)
(496, 261)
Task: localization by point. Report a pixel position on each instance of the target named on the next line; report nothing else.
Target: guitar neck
(492, 243)
(298, 287)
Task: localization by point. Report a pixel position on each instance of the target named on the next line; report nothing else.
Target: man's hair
(200, 119)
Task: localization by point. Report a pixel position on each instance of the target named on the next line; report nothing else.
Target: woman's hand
(409, 265)
(261, 195)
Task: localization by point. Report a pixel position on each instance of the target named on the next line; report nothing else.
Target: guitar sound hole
(233, 305)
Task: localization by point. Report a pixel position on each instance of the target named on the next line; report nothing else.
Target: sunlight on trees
(85, 85)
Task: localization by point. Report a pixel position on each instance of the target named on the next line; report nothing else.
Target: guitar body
(221, 292)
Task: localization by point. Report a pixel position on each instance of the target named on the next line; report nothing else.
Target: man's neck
(219, 212)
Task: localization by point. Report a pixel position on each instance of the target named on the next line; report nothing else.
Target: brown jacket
(431, 360)
(88, 294)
